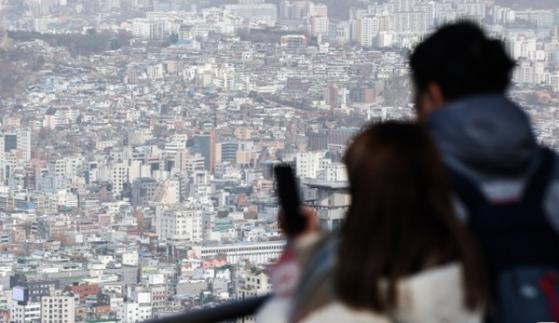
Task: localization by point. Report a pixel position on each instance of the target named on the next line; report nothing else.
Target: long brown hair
(401, 219)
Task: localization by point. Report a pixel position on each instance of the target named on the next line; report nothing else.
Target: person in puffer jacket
(505, 183)
(461, 77)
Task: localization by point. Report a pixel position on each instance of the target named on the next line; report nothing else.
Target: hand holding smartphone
(294, 223)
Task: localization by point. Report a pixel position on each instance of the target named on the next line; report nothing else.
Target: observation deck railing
(228, 312)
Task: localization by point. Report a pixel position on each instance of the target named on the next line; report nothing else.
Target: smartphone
(289, 199)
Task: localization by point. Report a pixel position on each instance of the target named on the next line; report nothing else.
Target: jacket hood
(490, 134)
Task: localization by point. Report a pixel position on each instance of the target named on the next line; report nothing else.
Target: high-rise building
(183, 223)
(299, 9)
(319, 25)
(293, 41)
(331, 202)
(412, 21)
(143, 190)
(119, 177)
(205, 145)
(335, 96)
(25, 312)
(318, 9)
(187, 163)
(318, 20)
(403, 5)
(149, 29)
(58, 309)
(229, 151)
(258, 13)
(341, 32)
(335, 172)
(16, 142)
(522, 46)
(255, 282)
(285, 10)
(367, 28)
(132, 312)
(307, 164)
(525, 72)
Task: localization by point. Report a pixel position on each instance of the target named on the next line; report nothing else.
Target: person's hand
(311, 219)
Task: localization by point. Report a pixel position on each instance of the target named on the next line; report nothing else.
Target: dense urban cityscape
(138, 137)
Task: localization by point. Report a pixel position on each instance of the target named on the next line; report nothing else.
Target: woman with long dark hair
(403, 255)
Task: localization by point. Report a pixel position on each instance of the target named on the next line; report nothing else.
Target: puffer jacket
(490, 140)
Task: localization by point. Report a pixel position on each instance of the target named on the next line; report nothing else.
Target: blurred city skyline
(137, 137)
